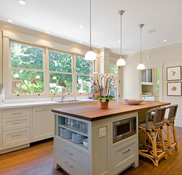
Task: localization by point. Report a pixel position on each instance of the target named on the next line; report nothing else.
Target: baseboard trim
(178, 122)
(14, 148)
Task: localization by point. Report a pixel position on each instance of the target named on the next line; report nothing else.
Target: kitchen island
(110, 138)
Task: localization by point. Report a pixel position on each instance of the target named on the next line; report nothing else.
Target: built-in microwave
(123, 129)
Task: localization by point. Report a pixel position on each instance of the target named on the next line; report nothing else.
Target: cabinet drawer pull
(17, 113)
(67, 164)
(67, 152)
(16, 135)
(16, 123)
(126, 151)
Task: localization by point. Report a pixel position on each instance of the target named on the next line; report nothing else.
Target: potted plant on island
(101, 86)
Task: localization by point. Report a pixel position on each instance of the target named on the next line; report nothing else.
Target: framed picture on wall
(174, 88)
(174, 73)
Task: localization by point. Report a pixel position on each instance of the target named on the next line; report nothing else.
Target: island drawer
(15, 138)
(124, 155)
(80, 157)
(16, 113)
(70, 166)
(16, 122)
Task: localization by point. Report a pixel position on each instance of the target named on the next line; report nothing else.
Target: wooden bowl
(133, 101)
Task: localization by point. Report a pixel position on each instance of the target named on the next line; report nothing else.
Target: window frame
(11, 94)
(76, 74)
(45, 71)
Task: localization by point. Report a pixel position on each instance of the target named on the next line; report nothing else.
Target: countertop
(41, 103)
(94, 112)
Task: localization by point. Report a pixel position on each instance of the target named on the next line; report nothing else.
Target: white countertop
(41, 103)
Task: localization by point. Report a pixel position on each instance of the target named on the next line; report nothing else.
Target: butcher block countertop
(94, 112)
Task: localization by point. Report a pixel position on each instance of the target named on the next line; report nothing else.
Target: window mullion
(74, 74)
(46, 71)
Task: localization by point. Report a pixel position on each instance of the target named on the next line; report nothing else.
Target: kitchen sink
(67, 101)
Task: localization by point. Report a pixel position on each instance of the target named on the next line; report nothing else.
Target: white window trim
(7, 70)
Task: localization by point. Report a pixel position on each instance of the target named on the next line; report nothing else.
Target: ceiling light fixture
(82, 26)
(165, 40)
(48, 32)
(90, 55)
(121, 61)
(10, 21)
(141, 66)
(22, 2)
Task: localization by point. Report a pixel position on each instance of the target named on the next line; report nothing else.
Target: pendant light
(141, 66)
(90, 55)
(121, 61)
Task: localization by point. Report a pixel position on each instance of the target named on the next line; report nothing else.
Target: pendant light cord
(141, 26)
(120, 35)
(141, 45)
(90, 26)
(121, 12)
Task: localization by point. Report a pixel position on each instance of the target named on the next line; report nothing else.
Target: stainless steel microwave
(123, 129)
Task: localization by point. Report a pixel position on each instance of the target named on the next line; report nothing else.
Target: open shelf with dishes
(73, 131)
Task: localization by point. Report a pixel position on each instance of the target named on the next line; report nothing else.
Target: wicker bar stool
(153, 145)
(171, 144)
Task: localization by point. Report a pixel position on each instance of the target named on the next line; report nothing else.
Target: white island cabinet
(112, 138)
(102, 156)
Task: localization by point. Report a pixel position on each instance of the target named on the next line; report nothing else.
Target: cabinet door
(149, 75)
(101, 142)
(42, 124)
(143, 76)
(1, 130)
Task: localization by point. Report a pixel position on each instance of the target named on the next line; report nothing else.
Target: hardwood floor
(38, 160)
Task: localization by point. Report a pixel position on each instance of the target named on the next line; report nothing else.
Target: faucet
(62, 93)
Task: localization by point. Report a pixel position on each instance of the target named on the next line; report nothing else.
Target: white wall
(166, 56)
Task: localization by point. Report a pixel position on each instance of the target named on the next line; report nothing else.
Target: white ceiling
(63, 18)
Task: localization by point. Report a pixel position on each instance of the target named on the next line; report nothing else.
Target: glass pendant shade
(120, 62)
(90, 55)
(141, 66)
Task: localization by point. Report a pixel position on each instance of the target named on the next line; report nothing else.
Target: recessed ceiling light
(10, 21)
(165, 40)
(119, 41)
(22, 2)
(47, 32)
(80, 42)
(82, 26)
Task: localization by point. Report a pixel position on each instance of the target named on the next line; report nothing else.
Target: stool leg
(169, 139)
(154, 146)
(174, 135)
(163, 143)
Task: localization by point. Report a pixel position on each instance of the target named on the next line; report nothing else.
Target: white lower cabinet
(123, 155)
(15, 128)
(73, 161)
(16, 138)
(42, 123)
(1, 130)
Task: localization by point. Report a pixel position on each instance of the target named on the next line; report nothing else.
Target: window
(31, 73)
(60, 68)
(27, 75)
(83, 69)
(113, 70)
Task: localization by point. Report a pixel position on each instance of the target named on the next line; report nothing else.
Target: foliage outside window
(26, 69)
(30, 76)
(60, 67)
(83, 69)
(113, 70)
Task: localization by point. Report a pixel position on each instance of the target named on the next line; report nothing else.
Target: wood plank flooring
(38, 160)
